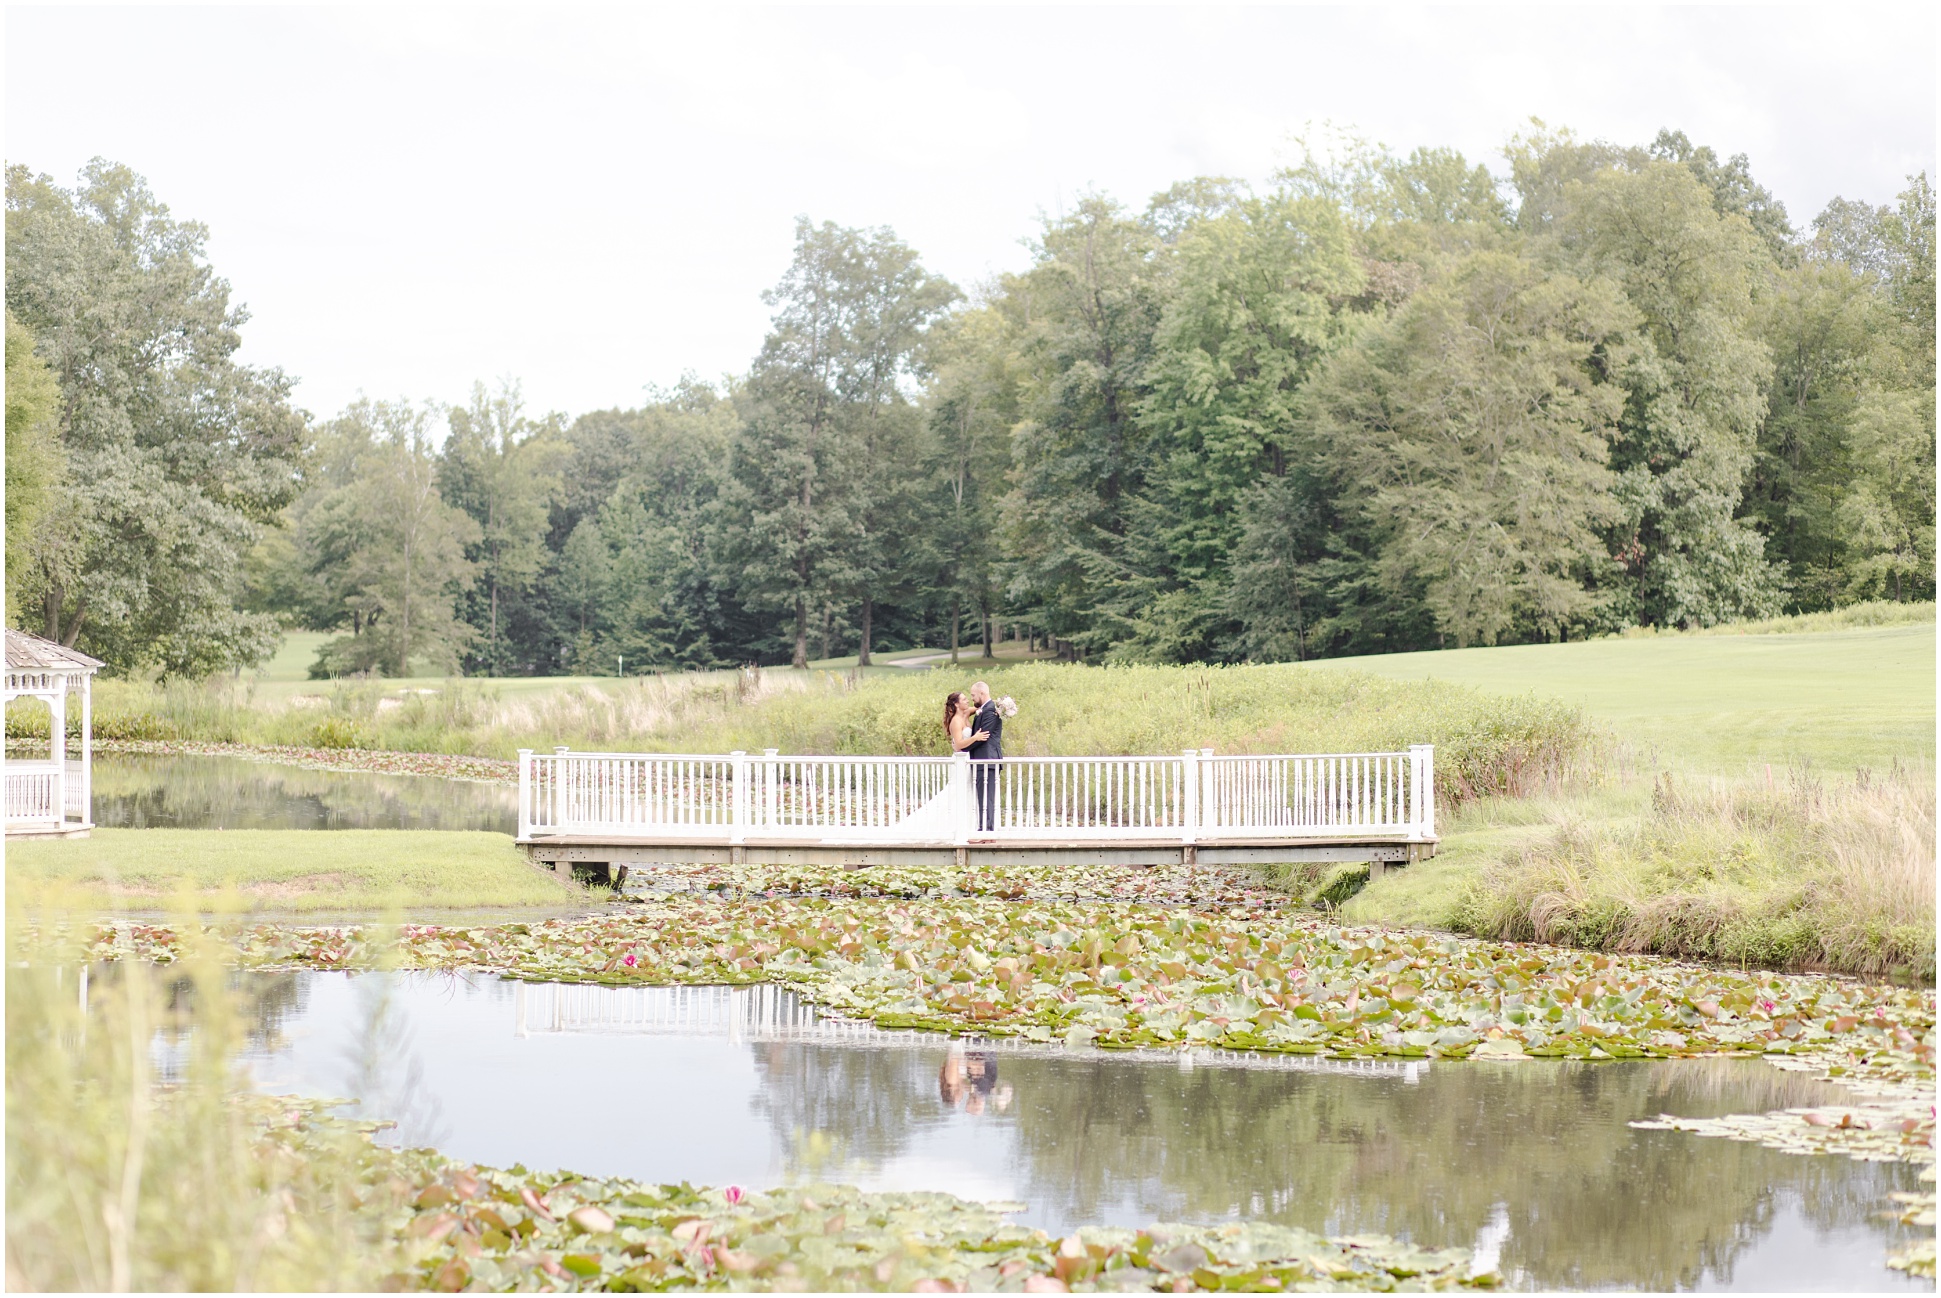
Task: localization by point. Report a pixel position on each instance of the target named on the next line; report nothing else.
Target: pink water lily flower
(630, 962)
(733, 1194)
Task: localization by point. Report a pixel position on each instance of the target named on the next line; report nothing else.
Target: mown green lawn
(281, 870)
(1840, 699)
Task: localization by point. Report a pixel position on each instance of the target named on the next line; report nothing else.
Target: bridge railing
(1190, 798)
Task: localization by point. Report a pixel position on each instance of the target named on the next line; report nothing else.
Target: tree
(1472, 432)
(394, 548)
(892, 304)
(1827, 329)
(1734, 191)
(584, 572)
(1084, 318)
(34, 460)
(178, 456)
(500, 468)
(816, 473)
(1252, 309)
(1696, 379)
(973, 407)
(1888, 514)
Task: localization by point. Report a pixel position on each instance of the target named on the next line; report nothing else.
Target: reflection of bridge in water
(764, 1013)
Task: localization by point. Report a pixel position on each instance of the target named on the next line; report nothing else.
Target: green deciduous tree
(389, 548)
(178, 455)
(1085, 316)
(973, 408)
(1696, 379)
(1251, 309)
(819, 470)
(500, 467)
(34, 459)
(1472, 433)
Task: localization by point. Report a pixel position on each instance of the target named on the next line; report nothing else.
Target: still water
(1530, 1164)
(193, 792)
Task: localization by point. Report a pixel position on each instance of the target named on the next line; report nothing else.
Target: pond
(1530, 1164)
(201, 792)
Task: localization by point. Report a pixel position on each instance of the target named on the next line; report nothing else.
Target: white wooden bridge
(611, 809)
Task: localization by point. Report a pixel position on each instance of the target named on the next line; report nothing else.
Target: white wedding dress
(930, 823)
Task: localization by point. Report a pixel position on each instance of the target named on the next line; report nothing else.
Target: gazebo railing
(1195, 796)
(33, 791)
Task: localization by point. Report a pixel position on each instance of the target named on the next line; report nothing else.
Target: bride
(958, 711)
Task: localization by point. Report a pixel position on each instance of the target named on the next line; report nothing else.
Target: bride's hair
(950, 708)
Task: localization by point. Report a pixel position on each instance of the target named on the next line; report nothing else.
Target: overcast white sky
(592, 200)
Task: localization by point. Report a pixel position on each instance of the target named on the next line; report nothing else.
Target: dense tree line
(1385, 403)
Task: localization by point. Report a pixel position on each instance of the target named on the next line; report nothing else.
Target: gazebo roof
(31, 653)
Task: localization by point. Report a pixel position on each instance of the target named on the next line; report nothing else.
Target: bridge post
(525, 794)
(1422, 775)
(560, 801)
(1189, 795)
(963, 804)
(738, 798)
(770, 786)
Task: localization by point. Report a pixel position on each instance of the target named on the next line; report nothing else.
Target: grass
(1799, 873)
(285, 871)
(1840, 700)
(132, 1164)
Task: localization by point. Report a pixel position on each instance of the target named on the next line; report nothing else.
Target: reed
(132, 1161)
(1788, 872)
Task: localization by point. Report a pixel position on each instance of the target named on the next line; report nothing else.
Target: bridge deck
(565, 850)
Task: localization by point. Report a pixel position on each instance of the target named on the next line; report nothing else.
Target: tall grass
(132, 1162)
(1486, 744)
(1797, 872)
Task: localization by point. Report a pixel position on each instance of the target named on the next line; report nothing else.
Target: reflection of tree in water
(835, 1103)
(206, 792)
(1588, 1201)
(383, 1072)
(267, 1001)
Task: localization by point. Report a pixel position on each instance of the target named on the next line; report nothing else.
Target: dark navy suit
(987, 753)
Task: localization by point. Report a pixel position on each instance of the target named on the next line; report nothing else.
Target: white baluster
(1189, 783)
(525, 794)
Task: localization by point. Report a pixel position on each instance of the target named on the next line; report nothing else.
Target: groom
(987, 753)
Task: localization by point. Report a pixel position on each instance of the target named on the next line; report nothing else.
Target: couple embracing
(975, 723)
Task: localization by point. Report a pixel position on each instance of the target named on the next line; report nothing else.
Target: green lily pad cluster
(484, 1228)
(448, 1226)
(1170, 885)
(1888, 1131)
(449, 766)
(1123, 975)
(1915, 1210)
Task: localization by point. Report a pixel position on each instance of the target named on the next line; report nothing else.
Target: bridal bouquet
(1007, 707)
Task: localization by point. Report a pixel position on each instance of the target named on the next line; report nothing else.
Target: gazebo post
(57, 727)
(87, 748)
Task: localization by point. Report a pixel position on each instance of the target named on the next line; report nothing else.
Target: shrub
(335, 732)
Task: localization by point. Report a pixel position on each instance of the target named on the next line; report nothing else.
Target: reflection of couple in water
(968, 1080)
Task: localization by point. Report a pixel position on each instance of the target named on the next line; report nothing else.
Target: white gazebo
(50, 798)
